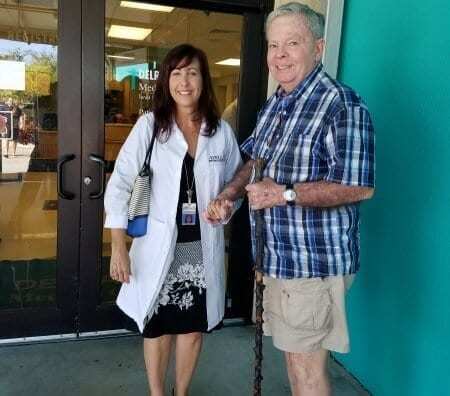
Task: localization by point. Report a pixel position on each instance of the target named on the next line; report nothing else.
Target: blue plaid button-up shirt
(321, 131)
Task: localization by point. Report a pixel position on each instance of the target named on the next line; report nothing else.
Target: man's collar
(302, 85)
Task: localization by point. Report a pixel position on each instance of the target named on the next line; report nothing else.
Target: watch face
(289, 195)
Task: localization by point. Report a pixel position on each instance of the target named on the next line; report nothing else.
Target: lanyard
(189, 188)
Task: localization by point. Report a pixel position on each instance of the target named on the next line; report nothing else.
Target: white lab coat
(217, 159)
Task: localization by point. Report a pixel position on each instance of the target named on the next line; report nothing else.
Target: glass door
(71, 87)
(135, 39)
(39, 111)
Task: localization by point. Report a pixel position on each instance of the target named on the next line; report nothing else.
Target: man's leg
(156, 355)
(187, 351)
(308, 373)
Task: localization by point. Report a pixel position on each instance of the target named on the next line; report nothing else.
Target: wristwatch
(289, 194)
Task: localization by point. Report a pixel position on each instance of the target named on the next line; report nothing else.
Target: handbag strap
(148, 156)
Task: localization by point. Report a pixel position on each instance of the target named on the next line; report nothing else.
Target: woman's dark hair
(163, 103)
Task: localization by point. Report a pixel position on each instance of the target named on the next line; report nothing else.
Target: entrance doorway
(81, 72)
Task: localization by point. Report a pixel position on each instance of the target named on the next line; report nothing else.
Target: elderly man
(316, 138)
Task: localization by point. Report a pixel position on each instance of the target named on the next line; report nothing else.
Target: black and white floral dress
(181, 305)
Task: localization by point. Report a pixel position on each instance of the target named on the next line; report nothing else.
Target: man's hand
(265, 194)
(218, 211)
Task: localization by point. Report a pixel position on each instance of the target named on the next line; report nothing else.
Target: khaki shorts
(305, 315)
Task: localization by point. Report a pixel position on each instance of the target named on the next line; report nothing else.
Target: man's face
(292, 50)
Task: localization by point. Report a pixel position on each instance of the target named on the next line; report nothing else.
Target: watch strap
(290, 186)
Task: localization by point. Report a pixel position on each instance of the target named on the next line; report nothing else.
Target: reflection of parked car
(50, 121)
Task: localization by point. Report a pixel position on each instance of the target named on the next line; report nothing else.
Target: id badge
(189, 214)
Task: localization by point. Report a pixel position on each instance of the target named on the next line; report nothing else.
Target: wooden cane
(259, 286)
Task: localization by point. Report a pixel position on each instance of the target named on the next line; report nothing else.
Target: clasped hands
(261, 195)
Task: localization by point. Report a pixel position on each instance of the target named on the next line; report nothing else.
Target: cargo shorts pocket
(306, 309)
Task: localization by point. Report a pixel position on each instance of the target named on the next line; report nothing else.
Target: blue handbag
(139, 205)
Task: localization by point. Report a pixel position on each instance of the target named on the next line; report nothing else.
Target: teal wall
(396, 54)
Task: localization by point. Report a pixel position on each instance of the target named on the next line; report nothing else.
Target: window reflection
(133, 55)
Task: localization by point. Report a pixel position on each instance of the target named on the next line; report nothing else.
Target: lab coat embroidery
(216, 158)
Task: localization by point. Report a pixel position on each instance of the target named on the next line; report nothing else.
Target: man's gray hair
(314, 21)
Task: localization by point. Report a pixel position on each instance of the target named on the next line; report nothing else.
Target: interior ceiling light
(128, 32)
(230, 62)
(144, 6)
(121, 57)
(119, 45)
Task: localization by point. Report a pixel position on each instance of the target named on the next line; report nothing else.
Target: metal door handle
(99, 160)
(60, 182)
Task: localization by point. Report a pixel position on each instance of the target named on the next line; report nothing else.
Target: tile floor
(115, 366)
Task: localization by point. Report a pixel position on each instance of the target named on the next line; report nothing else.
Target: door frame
(94, 316)
(81, 133)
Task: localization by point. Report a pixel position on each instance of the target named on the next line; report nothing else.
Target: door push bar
(60, 180)
(101, 162)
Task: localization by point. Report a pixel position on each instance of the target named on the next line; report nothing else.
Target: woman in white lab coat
(173, 277)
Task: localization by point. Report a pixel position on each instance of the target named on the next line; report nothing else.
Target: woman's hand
(119, 266)
(218, 211)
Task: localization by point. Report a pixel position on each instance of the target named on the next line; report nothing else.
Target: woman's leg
(188, 347)
(156, 355)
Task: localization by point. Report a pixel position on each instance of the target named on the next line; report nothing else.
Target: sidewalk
(115, 366)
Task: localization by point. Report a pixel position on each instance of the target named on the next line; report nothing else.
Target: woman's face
(186, 84)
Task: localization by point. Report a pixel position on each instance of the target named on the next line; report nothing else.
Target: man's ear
(319, 47)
